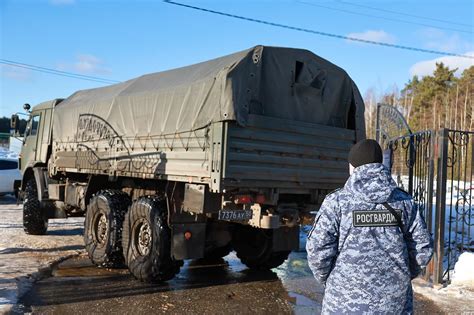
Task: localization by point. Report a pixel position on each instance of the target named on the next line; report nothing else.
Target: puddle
(303, 305)
(223, 286)
(83, 267)
(301, 300)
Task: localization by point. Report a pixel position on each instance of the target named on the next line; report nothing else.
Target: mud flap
(41, 178)
(192, 248)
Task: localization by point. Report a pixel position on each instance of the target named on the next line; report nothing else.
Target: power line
(57, 72)
(403, 13)
(300, 29)
(382, 17)
(54, 73)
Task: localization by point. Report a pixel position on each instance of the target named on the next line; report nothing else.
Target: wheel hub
(144, 238)
(102, 227)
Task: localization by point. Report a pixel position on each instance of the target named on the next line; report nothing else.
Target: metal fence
(454, 198)
(436, 168)
(411, 161)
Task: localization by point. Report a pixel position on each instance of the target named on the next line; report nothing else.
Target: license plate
(235, 215)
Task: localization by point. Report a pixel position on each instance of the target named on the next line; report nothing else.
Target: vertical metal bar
(416, 169)
(471, 186)
(421, 172)
(419, 167)
(411, 164)
(451, 166)
(377, 124)
(430, 184)
(464, 179)
(429, 202)
(441, 204)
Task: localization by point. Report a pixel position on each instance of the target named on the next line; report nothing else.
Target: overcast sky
(119, 40)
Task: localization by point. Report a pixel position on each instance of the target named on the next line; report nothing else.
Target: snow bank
(464, 270)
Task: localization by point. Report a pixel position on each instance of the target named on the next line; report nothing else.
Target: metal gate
(454, 199)
(436, 168)
(411, 162)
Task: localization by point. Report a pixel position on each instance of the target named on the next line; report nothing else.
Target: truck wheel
(103, 228)
(147, 241)
(254, 247)
(34, 220)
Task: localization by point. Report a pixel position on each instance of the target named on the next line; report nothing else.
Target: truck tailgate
(273, 152)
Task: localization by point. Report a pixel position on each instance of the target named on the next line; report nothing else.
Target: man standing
(368, 241)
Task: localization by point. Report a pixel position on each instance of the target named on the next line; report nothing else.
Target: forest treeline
(5, 125)
(439, 100)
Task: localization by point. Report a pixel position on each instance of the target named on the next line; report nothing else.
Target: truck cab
(37, 140)
(32, 163)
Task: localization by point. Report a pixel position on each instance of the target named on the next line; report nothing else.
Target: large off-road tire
(35, 221)
(103, 228)
(147, 241)
(254, 247)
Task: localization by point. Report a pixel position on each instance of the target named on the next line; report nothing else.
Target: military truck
(228, 154)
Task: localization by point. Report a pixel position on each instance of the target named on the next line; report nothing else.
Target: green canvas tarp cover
(278, 82)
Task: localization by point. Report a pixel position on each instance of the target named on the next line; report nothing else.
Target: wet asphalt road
(219, 287)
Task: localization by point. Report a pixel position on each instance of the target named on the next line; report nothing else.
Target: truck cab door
(30, 151)
(44, 136)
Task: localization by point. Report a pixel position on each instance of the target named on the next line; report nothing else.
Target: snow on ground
(464, 270)
(22, 255)
(457, 296)
(459, 222)
(452, 299)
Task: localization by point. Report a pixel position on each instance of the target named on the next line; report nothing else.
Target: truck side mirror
(26, 107)
(15, 123)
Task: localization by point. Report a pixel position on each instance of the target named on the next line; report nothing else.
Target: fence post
(429, 201)
(442, 161)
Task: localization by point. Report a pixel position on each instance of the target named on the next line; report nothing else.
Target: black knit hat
(365, 152)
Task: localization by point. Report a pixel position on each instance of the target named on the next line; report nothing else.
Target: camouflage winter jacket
(358, 251)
